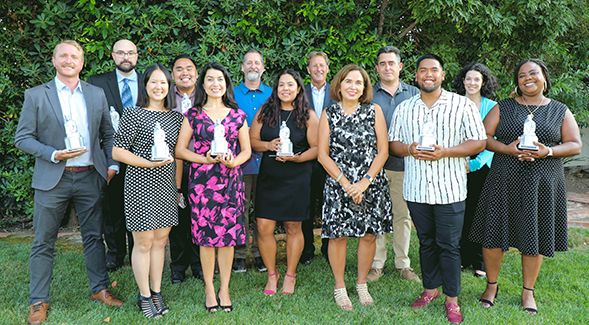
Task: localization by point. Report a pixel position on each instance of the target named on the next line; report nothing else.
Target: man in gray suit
(319, 99)
(62, 175)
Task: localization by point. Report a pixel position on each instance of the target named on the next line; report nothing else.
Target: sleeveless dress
(151, 199)
(352, 146)
(216, 193)
(523, 203)
(284, 189)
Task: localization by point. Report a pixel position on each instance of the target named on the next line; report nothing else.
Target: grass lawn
(562, 293)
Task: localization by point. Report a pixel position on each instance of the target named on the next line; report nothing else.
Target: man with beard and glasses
(434, 184)
(250, 95)
(120, 88)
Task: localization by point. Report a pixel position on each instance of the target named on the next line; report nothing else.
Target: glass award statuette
(159, 150)
(529, 137)
(219, 144)
(114, 118)
(286, 145)
(73, 141)
(426, 138)
(186, 103)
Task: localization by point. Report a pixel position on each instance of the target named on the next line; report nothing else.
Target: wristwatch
(549, 152)
(369, 178)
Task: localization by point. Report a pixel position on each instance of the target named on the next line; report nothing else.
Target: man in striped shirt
(434, 184)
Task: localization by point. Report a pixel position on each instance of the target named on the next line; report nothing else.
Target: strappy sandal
(290, 276)
(146, 306)
(158, 302)
(529, 310)
(489, 302)
(214, 308)
(342, 299)
(228, 308)
(270, 292)
(363, 294)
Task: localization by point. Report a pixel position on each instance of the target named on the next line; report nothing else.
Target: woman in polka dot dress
(150, 186)
(523, 202)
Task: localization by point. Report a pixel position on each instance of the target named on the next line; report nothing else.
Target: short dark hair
(253, 51)
(542, 66)
(270, 111)
(489, 87)
(334, 89)
(143, 98)
(388, 49)
(429, 56)
(201, 97)
(182, 56)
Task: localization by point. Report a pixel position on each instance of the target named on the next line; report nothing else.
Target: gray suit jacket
(41, 131)
(327, 101)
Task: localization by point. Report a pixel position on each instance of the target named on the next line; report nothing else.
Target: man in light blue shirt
(250, 95)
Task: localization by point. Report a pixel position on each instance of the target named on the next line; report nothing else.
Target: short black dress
(523, 203)
(352, 146)
(151, 196)
(283, 190)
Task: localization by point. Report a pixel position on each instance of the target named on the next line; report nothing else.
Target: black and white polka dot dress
(523, 204)
(150, 193)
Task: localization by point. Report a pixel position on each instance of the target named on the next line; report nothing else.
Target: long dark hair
(542, 66)
(143, 98)
(270, 111)
(200, 98)
(489, 87)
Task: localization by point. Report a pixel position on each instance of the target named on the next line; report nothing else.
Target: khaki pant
(401, 226)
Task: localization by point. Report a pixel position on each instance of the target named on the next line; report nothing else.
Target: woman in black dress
(283, 188)
(151, 199)
(523, 202)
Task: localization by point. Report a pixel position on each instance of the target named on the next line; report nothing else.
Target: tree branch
(381, 20)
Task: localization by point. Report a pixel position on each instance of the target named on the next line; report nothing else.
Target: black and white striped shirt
(456, 120)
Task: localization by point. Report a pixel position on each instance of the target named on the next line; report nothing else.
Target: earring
(516, 90)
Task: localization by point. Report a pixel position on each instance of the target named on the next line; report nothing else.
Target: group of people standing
(357, 150)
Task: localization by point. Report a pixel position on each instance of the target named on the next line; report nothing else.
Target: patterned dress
(523, 203)
(352, 146)
(216, 193)
(151, 198)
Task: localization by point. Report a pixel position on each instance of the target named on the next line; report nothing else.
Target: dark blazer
(327, 101)
(108, 82)
(41, 131)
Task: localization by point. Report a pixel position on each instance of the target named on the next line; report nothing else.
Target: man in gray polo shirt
(389, 92)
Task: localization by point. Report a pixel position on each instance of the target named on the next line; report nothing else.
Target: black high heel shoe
(225, 308)
(147, 307)
(158, 302)
(489, 302)
(214, 308)
(529, 310)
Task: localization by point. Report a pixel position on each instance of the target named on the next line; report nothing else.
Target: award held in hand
(219, 144)
(159, 150)
(529, 137)
(427, 138)
(285, 143)
(73, 141)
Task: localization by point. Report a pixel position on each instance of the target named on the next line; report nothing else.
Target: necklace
(286, 121)
(532, 112)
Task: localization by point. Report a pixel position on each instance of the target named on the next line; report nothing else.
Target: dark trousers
(439, 228)
(85, 189)
(183, 251)
(250, 182)
(471, 253)
(317, 184)
(116, 234)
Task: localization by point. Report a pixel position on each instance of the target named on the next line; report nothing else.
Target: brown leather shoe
(38, 313)
(105, 296)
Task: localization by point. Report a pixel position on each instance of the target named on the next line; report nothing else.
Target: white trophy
(286, 145)
(73, 141)
(186, 103)
(159, 150)
(219, 144)
(529, 137)
(427, 138)
(114, 118)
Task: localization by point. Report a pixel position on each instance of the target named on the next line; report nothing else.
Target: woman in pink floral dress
(216, 190)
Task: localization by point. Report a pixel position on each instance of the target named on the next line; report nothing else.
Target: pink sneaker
(424, 299)
(453, 313)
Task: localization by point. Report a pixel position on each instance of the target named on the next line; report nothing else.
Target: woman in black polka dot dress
(523, 202)
(151, 197)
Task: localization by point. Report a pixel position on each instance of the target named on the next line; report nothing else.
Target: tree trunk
(381, 21)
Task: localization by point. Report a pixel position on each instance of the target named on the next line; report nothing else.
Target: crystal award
(219, 144)
(529, 137)
(426, 138)
(73, 141)
(285, 143)
(159, 150)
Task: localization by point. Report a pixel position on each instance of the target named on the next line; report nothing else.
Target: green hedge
(284, 31)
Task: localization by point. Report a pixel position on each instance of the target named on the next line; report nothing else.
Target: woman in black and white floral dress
(353, 147)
